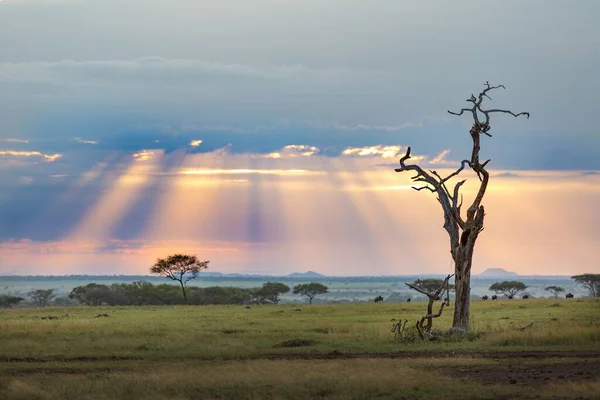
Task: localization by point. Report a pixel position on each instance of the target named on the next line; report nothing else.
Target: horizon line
(281, 276)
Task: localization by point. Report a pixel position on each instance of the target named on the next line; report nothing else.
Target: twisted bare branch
(484, 127)
(418, 189)
(435, 184)
(433, 296)
(497, 110)
(461, 111)
(462, 232)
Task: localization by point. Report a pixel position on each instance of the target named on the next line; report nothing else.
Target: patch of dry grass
(219, 351)
(281, 379)
(181, 332)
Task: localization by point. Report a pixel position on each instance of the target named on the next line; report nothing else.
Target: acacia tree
(555, 290)
(41, 297)
(268, 293)
(429, 285)
(92, 294)
(7, 301)
(508, 288)
(179, 267)
(463, 232)
(310, 290)
(590, 281)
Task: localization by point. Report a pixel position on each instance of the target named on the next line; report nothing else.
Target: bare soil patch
(295, 343)
(527, 374)
(69, 371)
(533, 355)
(493, 355)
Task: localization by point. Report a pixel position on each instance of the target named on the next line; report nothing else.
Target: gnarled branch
(462, 232)
(433, 296)
(485, 126)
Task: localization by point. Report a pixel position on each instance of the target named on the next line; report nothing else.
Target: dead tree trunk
(430, 312)
(463, 233)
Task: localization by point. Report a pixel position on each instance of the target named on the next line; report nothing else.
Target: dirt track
(420, 354)
(514, 367)
(532, 374)
(336, 355)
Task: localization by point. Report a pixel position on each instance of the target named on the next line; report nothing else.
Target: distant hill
(211, 274)
(496, 273)
(308, 274)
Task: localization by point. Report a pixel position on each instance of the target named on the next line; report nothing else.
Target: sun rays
(185, 203)
(121, 193)
(340, 215)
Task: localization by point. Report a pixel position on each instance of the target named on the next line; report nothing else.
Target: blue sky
(86, 84)
(263, 74)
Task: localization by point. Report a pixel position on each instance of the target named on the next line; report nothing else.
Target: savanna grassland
(516, 349)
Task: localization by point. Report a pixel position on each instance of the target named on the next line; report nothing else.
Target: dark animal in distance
(569, 296)
(510, 297)
(378, 299)
(494, 297)
(484, 297)
(525, 297)
(408, 300)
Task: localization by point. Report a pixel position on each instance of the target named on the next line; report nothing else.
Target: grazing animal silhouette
(378, 299)
(494, 297)
(569, 296)
(525, 297)
(484, 298)
(408, 300)
(510, 297)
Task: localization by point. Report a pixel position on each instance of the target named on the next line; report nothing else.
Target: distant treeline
(214, 277)
(141, 293)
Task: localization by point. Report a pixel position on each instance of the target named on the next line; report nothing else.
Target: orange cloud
(46, 157)
(113, 246)
(440, 159)
(108, 257)
(146, 155)
(247, 171)
(294, 150)
(374, 151)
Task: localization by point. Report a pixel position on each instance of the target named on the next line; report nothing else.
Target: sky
(263, 135)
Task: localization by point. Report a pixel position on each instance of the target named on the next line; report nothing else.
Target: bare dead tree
(432, 296)
(463, 232)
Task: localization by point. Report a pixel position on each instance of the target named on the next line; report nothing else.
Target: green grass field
(348, 352)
